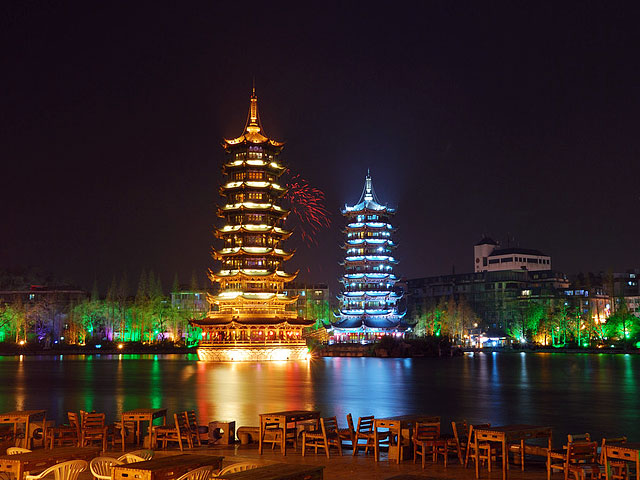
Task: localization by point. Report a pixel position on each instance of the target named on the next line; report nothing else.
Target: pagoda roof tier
(253, 184)
(368, 202)
(253, 131)
(253, 297)
(358, 226)
(374, 277)
(237, 251)
(252, 206)
(251, 228)
(233, 321)
(262, 274)
(386, 323)
(242, 164)
(370, 241)
(375, 294)
(370, 258)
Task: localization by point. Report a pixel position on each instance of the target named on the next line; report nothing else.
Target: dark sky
(515, 119)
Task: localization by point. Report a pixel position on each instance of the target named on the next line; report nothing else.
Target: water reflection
(573, 393)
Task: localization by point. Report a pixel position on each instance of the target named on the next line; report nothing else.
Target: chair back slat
(92, 421)
(329, 425)
(582, 452)
(578, 437)
(365, 424)
(427, 431)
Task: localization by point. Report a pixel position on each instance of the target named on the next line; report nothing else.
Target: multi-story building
(369, 300)
(488, 257)
(251, 318)
(313, 301)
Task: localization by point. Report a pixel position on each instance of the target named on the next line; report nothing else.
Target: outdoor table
(629, 452)
(41, 459)
(164, 468)
(284, 418)
(140, 415)
(407, 423)
(25, 417)
(279, 471)
(510, 433)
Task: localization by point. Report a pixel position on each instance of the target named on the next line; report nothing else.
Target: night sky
(518, 120)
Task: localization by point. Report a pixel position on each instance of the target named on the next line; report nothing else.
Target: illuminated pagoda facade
(369, 302)
(251, 318)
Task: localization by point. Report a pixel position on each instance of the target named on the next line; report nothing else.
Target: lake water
(572, 392)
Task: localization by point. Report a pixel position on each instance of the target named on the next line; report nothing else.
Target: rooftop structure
(368, 304)
(489, 257)
(251, 318)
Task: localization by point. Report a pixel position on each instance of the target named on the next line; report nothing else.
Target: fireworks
(307, 206)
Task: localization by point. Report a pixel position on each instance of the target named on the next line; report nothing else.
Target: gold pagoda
(251, 318)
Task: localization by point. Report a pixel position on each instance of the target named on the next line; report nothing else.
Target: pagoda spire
(368, 187)
(253, 124)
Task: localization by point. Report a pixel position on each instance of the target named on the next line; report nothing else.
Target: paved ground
(348, 467)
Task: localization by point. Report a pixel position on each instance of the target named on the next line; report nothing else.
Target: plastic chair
(62, 471)
(101, 467)
(236, 467)
(201, 473)
(130, 458)
(17, 450)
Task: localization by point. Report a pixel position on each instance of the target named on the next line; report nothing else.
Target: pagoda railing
(227, 343)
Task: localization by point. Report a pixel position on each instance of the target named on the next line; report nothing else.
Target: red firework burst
(307, 204)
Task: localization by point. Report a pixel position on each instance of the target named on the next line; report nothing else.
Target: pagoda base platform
(253, 353)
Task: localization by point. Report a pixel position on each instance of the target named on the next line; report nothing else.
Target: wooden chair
(582, 461)
(364, 431)
(618, 469)
(200, 473)
(484, 453)
(93, 429)
(349, 433)
(323, 438)
(62, 435)
(192, 421)
(62, 471)
(236, 467)
(178, 433)
(557, 458)
(426, 439)
(101, 467)
(391, 433)
(460, 432)
(120, 432)
(274, 434)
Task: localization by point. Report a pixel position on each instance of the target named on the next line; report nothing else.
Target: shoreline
(326, 353)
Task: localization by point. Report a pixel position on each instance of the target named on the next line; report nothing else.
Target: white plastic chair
(17, 450)
(131, 458)
(200, 473)
(237, 467)
(146, 454)
(62, 471)
(101, 467)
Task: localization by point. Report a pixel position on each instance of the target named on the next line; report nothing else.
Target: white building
(489, 257)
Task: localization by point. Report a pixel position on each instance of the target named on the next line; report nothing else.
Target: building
(488, 257)
(369, 301)
(313, 301)
(251, 318)
(194, 302)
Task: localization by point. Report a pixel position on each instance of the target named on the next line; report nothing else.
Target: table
(510, 433)
(140, 415)
(407, 423)
(279, 471)
(629, 452)
(41, 459)
(164, 468)
(25, 417)
(282, 419)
